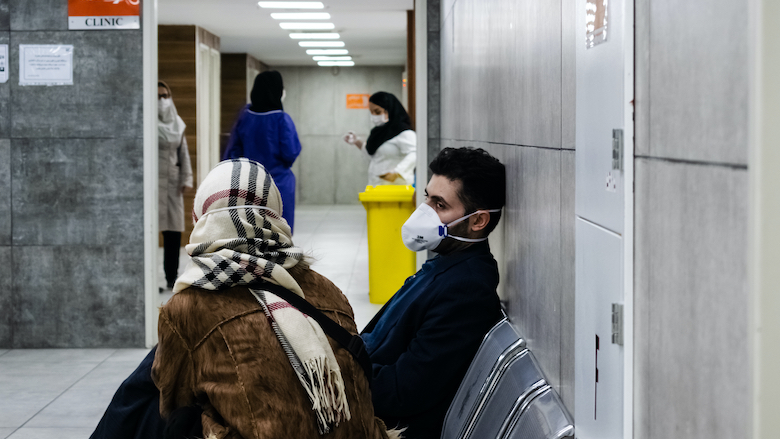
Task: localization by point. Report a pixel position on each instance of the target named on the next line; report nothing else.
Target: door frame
(151, 265)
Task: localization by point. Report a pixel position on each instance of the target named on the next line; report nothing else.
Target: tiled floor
(62, 393)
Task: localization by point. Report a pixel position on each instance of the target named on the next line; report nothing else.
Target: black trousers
(171, 245)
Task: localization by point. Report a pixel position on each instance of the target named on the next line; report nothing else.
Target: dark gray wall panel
(691, 307)
(106, 99)
(77, 191)
(5, 95)
(5, 192)
(5, 17)
(698, 81)
(6, 297)
(534, 268)
(29, 15)
(78, 296)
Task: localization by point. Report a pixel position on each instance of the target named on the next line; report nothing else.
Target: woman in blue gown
(266, 134)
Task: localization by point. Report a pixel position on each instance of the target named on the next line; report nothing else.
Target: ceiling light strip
(291, 5)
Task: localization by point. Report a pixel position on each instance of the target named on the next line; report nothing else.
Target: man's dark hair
(482, 177)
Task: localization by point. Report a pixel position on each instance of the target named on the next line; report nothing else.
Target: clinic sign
(104, 14)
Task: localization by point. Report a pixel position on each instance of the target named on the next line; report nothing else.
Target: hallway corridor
(62, 393)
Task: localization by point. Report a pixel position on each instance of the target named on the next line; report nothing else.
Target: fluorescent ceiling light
(288, 25)
(314, 36)
(332, 58)
(336, 63)
(291, 5)
(327, 52)
(300, 16)
(321, 43)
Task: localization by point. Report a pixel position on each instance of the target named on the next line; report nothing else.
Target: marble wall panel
(5, 94)
(318, 170)
(352, 170)
(5, 192)
(538, 74)
(6, 297)
(78, 296)
(568, 261)
(534, 269)
(569, 37)
(106, 98)
(26, 15)
(691, 306)
(698, 51)
(77, 191)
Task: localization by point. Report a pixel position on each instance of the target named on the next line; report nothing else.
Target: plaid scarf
(240, 238)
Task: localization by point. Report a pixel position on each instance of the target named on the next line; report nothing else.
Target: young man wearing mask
(422, 342)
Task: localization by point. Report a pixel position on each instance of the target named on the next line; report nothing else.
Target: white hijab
(170, 127)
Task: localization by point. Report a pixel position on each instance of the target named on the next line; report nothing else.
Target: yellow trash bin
(389, 261)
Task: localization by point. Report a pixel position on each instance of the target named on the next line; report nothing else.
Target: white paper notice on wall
(45, 64)
(3, 63)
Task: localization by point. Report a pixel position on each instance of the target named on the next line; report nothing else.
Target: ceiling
(374, 30)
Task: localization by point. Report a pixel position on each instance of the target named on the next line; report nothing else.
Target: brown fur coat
(218, 347)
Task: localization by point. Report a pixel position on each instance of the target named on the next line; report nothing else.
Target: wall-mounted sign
(596, 15)
(50, 64)
(103, 14)
(357, 102)
(3, 63)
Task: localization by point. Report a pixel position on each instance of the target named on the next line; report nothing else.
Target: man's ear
(479, 221)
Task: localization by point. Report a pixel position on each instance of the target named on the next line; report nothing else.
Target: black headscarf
(267, 92)
(398, 121)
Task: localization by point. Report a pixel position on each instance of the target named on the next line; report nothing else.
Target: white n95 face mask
(425, 231)
(378, 119)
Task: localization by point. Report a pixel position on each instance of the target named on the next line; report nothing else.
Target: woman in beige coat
(174, 177)
(255, 365)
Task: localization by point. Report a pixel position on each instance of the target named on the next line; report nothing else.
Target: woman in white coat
(175, 176)
(392, 144)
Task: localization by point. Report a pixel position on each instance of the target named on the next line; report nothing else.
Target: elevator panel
(598, 353)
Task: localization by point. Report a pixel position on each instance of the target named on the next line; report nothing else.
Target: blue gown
(270, 139)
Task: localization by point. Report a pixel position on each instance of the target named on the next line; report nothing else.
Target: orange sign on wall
(104, 14)
(357, 102)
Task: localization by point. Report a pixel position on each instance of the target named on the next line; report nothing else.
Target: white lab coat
(398, 154)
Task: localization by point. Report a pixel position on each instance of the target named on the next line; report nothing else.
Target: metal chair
(540, 416)
(500, 343)
(516, 381)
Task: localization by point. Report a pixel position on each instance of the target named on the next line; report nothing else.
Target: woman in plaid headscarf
(258, 367)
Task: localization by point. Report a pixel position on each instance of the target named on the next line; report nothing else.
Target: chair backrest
(541, 416)
(516, 381)
(498, 345)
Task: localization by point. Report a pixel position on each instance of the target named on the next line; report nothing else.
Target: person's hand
(390, 176)
(353, 139)
(350, 137)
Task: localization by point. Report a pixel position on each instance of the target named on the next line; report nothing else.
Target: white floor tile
(51, 433)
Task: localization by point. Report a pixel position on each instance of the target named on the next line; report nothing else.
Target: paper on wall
(45, 64)
(3, 63)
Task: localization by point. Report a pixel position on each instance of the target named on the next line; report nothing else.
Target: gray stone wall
(329, 171)
(508, 86)
(692, 375)
(71, 188)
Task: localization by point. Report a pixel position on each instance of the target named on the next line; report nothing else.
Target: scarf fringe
(326, 393)
(395, 433)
